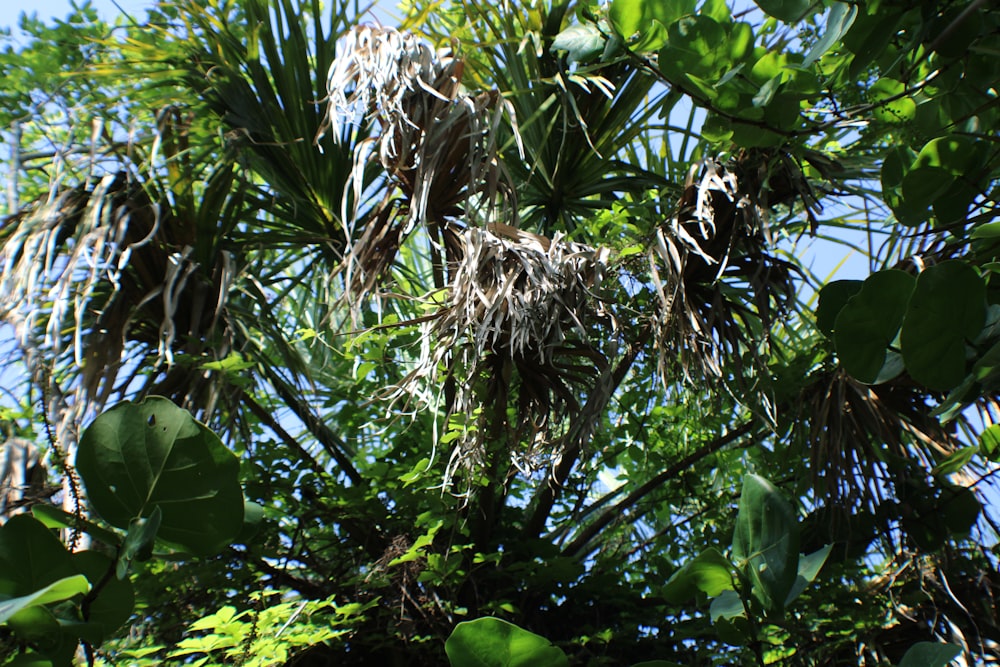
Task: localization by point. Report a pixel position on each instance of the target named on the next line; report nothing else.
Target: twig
(575, 547)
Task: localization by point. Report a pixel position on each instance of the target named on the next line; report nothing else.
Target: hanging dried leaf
(716, 244)
(437, 144)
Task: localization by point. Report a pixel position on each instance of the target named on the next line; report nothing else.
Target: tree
(495, 337)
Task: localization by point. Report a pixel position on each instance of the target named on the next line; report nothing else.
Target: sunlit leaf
(989, 442)
(61, 589)
(492, 642)
(581, 42)
(709, 572)
(838, 22)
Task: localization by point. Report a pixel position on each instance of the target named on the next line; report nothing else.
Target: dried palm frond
(105, 294)
(436, 142)
(516, 324)
(704, 260)
(859, 435)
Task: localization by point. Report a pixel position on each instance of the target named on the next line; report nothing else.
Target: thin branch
(547, 496)
(577, 546)
(945, 34)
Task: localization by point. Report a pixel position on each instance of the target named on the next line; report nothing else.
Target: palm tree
(347, 247)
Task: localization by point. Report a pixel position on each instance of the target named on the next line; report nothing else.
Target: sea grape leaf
(709, 572)
(947, 308)
(766, 542)
(492, 642)
(136, 457)
(868, 323)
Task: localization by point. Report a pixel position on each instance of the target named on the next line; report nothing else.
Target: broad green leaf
(253, 518)
(740, 41)
(766, 542)
(36, 624)
(989, 442)
(750, 135)
(727, 606)
(716, 9)
(788, 11)
(990, 230)
(892, 368)
(930, 654)
(139, 539)
(832, 298)
(53, 517)
(234, 363)
(643, 23)
(953, 154)
(894, 169)
(709, 572)
(418, 471)
(839, 21)
(952, 206)
(736, 631)
(947, 308)
(923, 185)
(695, 47)
(958, 29)
(31, 557)
(61, 589)
(492, 642)
(946, 174)
(870, 36)
(782, 112)
(767, 91)
(955, 461)
(716, 129)
(809, 567)
(868, 323)
(114, 602)
(139, 456)
(771, 65)
(811, 564)
(893, 106)
(960, 508)
(581, 42)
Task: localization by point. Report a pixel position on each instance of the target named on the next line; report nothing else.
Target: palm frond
(717, 285)
(117, 283)
(515, 329)
(436, 143)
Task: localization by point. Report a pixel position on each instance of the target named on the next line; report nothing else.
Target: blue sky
(11, 10)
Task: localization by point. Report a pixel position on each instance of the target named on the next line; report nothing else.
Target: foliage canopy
(507, 337)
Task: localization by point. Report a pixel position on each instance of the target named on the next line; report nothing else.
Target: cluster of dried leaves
(437, 146)
(515, 301)
(100, 282)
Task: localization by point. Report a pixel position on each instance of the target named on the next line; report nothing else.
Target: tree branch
(577, 546)
(596, 402)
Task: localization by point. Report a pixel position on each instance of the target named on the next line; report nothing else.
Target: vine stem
(71, 479)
